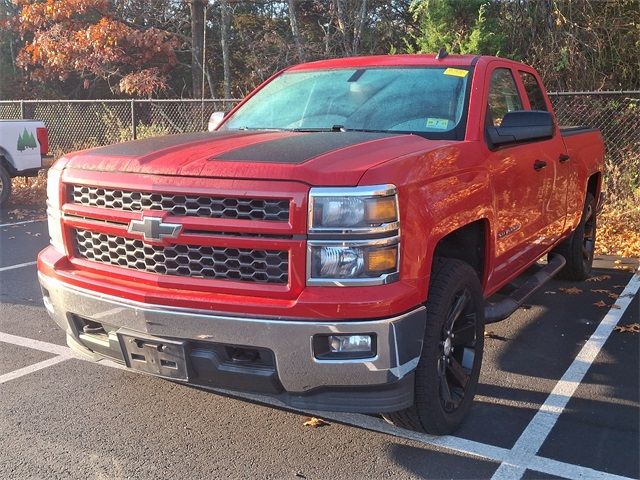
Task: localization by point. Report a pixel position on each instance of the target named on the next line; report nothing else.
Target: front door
(521, 180)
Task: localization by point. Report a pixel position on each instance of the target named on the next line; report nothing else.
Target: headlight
(54, 217)
(365, 262)
(353, 236)
(358, 210)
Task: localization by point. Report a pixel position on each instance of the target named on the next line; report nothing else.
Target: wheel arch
(5, 162)
(469, 243)
(594, 185)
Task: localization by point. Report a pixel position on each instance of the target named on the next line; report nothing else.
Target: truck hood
(319, 158)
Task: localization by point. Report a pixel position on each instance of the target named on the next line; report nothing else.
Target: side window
(503, 96)
(534, 92)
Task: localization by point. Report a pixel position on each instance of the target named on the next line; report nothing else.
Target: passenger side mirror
(521, 126)
(215, 120)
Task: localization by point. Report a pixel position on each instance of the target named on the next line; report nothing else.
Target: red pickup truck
(338, 242)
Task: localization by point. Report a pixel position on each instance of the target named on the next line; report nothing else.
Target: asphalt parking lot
(558, 397)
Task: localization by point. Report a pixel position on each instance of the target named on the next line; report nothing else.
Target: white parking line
(535, 434)
(20, 265)
(32, 368)
(25, 222)
(59, 350)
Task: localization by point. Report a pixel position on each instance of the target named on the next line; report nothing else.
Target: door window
(503, 96)
(534, 92)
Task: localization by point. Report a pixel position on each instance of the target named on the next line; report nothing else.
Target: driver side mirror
(521, 126)
(215, 120)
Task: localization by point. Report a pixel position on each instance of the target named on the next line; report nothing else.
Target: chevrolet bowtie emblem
(152, 228)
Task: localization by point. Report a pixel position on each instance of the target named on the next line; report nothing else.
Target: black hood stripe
(298, 148)
(140, 148)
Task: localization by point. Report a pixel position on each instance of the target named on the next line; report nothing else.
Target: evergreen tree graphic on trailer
(26, 140)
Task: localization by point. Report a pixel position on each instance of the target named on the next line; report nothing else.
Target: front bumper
(287, 367)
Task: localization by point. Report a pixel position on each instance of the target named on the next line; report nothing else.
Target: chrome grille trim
(218, 263)
(183, 205)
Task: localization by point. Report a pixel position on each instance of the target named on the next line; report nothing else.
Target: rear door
(521, 183)
(553, 152)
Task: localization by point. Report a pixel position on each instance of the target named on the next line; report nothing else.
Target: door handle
(564, 157)
(539, 165)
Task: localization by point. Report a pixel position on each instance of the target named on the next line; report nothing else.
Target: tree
(83, 39)
(20, 147)
(295, 31)
(460, 26)
(225, 25)
(350, 16)
(197, 43)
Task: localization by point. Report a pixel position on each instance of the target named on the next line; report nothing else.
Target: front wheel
(447, 374)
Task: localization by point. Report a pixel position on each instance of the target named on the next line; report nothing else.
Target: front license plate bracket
(165, 358)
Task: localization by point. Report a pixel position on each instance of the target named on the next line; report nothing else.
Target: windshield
(427, 101)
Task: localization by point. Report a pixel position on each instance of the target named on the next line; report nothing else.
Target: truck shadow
(541, 340)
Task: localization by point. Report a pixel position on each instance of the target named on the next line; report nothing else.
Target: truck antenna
(441, 53)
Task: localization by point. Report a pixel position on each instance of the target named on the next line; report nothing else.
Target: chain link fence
(617, 115)
(78, 124)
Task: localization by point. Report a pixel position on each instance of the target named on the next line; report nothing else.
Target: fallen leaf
(600, 304)
(490, 334)
(571, 291)
(598, 278)
(615, 307)
(599, 290)
(630, 328)
(613, 295)
(625, 268)
(619, 286)
(617, 262)
(315, 422)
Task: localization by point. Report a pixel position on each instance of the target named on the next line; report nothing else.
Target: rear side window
(534, 92)
(503, 96)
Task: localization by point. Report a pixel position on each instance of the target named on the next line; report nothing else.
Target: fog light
(344, 347)
(349, 343)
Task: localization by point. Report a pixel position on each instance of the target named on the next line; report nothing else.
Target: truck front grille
(183, 205)
(219, 263)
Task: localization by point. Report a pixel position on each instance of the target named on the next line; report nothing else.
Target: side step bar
(495, 312)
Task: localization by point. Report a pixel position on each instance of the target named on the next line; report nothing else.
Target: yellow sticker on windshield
(456, 72)
(437, 123)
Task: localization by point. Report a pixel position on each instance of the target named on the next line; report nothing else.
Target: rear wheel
(5, 186)
(447, 374)
(579, 248)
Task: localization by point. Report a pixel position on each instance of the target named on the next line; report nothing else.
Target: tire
(455, 296)
(578, 249)
(5, 186)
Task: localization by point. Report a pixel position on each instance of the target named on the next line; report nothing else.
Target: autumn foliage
(65, 38)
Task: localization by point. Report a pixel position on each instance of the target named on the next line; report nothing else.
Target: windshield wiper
(335, 128)
(366, 130)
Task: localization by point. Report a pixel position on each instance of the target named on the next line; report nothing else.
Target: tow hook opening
(243, 355)
(93, 328)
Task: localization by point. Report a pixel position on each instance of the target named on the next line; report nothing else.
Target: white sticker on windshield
(438, 123)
